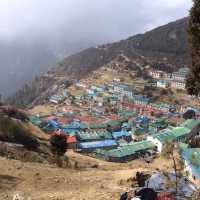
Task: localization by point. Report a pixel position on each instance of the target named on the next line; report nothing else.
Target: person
(147, 194)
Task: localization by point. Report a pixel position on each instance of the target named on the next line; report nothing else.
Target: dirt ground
(36, 181)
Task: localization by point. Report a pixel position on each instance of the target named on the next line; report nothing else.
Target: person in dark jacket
(147, 194)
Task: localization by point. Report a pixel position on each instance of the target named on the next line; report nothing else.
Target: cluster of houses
(127, 138)
(114, 122)
(175, 80)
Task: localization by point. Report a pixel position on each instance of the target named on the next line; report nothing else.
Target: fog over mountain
(35, 34)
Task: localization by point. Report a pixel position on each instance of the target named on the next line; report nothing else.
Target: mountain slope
(171, 38)
(24, 58)
(169, 42)
(166, 46)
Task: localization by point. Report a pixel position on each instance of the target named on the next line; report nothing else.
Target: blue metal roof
(54, 123)
(120, 134)
(98, 144)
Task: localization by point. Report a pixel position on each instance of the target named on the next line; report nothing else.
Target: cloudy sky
(105, 20)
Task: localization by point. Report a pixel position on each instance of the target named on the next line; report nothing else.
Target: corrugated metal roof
(98, 144)
(173, 134)
(35, 120)
(120, 134)
(129, 149)
(95, 135)
(190, 123)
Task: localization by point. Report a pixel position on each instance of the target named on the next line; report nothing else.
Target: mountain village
(105, 116)
(88, 111)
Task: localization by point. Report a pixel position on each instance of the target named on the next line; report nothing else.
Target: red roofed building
(72, 142)
(113, 117)
(51, 117)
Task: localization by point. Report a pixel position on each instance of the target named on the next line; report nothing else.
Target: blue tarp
(98, 144)
(120, 134)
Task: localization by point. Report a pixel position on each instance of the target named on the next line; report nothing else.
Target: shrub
(13, 131)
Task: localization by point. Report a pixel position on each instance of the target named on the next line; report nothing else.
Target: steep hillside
(20, 140)
(171, 38)
(164, 47)
(24, 58)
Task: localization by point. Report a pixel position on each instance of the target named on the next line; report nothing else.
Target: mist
(35, 34)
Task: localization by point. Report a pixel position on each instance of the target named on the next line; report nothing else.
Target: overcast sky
(86, 19)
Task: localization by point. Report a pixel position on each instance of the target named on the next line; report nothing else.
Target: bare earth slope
(45, 182)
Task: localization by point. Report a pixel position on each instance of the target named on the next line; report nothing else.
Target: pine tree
(169, 152)
(193, 80)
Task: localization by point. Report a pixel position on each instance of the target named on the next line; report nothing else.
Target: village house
(165, 108)
(99, 100)
(178, 84)
(91, 146)
(156, 74)
(128, 93)
(162, 84)
(56, 99)
(141, 100)
(122, 135)
(98, 88)
(178, 78)
(94, 136)
(167, 76)
(72, 142)
(130, 151)
(81, 85)
(116, 79)
(180, 75)
(90, 91)
(177, 134)
(119, 87)
(113, 100)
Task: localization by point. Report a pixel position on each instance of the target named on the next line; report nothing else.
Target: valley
(109, 119)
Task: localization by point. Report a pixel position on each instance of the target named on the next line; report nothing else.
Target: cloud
(87, 19)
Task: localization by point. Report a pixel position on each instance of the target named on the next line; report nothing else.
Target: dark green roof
(35, 120)
(114, 123)
(129, 149)
(95, 135)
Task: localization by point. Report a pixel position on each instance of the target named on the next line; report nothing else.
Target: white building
(178, 84)
(156, 74)
(162, 84)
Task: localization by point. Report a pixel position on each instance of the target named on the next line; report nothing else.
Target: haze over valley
(34, 36)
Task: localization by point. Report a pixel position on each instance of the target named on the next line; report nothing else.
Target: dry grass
(44, 182)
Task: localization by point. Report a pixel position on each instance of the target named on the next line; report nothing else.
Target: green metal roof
(180, 131)
(114, 123)
(164, 136)
(97, 126)
(190, 123)
(95, 135)
(159, 123)
(35, 120)
(141, 131)
(173, 134)
(129, 149)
